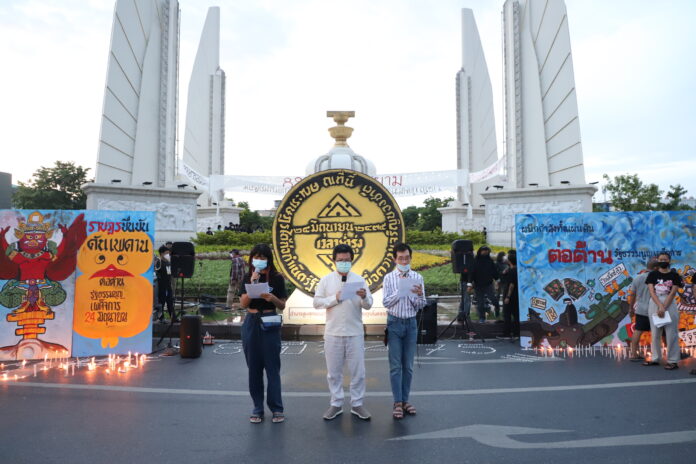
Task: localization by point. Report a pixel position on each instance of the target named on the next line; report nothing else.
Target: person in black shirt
(663, 284)
(262, 346)
(165, 294)
(482, 277)
(511, 306)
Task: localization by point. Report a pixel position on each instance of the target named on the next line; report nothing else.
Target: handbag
(271, 322)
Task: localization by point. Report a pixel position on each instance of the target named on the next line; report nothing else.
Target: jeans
(262, 351)
(402, 334)
(483, 296)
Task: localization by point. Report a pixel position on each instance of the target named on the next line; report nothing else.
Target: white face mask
(166, 257)
(343, 266)
(259, 264)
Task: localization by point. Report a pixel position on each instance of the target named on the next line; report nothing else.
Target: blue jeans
(402, 334)
(262, 351)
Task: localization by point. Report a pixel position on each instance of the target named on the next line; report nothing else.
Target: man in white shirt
(402, 328)
(344, 341)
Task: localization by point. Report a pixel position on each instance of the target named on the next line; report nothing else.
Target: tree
(674, 198)
(57, 187)
(430, 217)
(411, 215)
(628, 193)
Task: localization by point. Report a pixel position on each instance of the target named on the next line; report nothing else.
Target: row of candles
(587, 351)
(112, 363)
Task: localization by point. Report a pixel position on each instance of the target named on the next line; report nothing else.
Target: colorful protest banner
(582, 264)
(75, 283)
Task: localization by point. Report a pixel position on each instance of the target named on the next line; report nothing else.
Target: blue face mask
(403, 267)
(343, 266)
(259, 264)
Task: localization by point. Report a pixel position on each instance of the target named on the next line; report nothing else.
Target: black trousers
(165, 296)
(511, 318)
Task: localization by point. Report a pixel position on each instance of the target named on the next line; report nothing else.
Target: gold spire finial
(340, 132)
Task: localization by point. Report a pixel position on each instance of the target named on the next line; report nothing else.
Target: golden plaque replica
(330, 208)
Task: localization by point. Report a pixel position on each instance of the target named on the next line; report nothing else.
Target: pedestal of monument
(176, 208)
(503, 205)
(456, 219)
(212, 216)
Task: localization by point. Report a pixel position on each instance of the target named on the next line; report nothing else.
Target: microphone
(344, 278)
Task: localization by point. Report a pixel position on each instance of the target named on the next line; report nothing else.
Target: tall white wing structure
(137, 141)
(476, 139)
(204, 138)
(541, 112)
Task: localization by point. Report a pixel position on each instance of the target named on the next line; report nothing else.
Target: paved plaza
(478, 403)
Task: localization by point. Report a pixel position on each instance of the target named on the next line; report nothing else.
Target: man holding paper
(344, 295)
(404, 295)
(664, 314)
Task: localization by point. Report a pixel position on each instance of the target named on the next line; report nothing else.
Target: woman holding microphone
(260, 336)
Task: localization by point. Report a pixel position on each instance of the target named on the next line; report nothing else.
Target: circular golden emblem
(330, 208)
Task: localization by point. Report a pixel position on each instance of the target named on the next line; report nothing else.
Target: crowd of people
(493, 283)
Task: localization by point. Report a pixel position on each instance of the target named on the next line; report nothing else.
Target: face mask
(403, 267)
(663, 265)
(343, 266)
(259, 264)
(165, 257)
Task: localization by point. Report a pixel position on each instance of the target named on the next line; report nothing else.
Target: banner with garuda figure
(53, 261)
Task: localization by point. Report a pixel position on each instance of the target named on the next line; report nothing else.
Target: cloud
(391, 61)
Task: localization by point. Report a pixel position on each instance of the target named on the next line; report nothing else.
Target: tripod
(465, 319)
(170, 347)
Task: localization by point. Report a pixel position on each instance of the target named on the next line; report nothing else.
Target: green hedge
(231, 239)
(438, 237)
(227, 238)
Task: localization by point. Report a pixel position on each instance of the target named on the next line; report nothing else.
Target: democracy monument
(540, 169)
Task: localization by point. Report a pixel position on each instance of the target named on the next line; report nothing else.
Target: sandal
(398, 412)
(256, 418)
(410, 409)
(672, 366)
(278, 417)
(651, 363)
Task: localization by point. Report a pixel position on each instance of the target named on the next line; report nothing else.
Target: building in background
(542, 169)
(6, 190)
(136, 160)
(204, 135)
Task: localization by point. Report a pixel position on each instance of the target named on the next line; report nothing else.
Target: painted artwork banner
(75, 283)
(575, 272)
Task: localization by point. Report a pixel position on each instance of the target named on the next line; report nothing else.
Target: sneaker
(332, 412)
(361, 412)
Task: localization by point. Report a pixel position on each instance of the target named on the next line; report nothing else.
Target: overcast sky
(392, 61)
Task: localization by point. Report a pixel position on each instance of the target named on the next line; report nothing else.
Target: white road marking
(322, 394)
(499, 437)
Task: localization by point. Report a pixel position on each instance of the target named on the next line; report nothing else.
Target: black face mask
(663, 265)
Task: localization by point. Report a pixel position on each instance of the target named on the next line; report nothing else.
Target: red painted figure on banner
(34, 266)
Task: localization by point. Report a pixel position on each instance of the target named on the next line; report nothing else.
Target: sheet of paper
(661, 321)
(406, 287)
(255, 290)
(349, 288)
